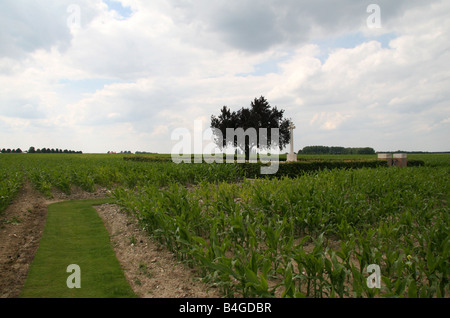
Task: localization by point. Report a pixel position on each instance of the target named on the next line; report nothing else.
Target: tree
(325, 150)
(366, 151)
(259, 115)
(32, 150)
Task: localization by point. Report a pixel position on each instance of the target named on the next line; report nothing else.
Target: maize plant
(10, 184)
(310, 235)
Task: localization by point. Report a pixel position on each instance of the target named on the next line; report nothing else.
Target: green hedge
(165, 158)
(292, 169)
(415, 163)
(148, 158)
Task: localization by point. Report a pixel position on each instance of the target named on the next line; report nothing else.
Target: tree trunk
(247, 152)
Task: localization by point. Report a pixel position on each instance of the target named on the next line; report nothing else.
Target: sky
(123, 75)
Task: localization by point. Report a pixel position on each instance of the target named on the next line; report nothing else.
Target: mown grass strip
(75, 234)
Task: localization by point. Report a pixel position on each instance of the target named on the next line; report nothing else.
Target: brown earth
(150, 270)
(21, 227)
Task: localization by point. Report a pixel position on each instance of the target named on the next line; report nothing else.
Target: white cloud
(328, 121)
(125, 82)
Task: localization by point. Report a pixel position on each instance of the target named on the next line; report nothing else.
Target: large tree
(259, 115)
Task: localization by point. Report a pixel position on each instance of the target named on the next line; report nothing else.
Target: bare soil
(21, 226)
(151, 271)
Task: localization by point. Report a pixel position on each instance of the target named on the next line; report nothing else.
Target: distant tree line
(145, 153)
(43, 150)
(53, 150)
(416, 152)
(127, 152)
(18, 150)
(325, 150)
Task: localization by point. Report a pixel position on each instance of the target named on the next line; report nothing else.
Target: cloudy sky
(116, 75)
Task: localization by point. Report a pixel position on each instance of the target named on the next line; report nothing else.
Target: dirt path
(21, 227)
(151, 271)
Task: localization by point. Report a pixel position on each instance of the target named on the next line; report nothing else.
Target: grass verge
(75, 234)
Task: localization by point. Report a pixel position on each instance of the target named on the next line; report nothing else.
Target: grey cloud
(21, 108)
(252, 26)
(132, 105)
(26, 26)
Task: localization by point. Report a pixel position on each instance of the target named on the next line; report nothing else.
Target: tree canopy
(325, 150)
(259, 115)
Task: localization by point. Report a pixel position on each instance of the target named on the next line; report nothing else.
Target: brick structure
(396, 160)
(386, 157)
(400, 160)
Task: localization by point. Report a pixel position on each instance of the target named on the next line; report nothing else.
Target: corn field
(10, 183)
(311, 236)
(314, 235)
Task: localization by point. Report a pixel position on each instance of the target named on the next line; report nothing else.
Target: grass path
(75, 234)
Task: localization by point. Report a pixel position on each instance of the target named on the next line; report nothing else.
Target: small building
(396, 160)
(386, 157)
(400, 160)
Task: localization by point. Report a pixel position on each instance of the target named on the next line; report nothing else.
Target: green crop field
(308, 235)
